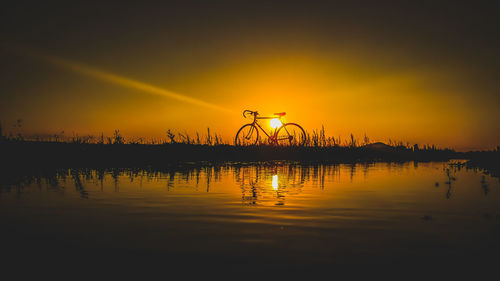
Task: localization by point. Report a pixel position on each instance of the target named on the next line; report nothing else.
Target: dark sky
(180, 44)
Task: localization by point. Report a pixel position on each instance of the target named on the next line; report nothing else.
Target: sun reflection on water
(275, 182)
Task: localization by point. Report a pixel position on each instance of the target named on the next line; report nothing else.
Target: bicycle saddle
(280, 114)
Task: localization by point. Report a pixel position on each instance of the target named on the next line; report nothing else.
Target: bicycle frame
(273, 137)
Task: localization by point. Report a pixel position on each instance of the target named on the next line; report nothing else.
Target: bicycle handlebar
(255, 113)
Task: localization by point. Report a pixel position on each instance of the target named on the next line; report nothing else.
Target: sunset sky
(423, 72)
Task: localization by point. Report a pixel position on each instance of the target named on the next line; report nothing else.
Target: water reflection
(262, 183)
(272, 209)
(275, 182)
(258, 182)
(484, 185)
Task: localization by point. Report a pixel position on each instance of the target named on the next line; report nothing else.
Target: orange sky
(362, 84)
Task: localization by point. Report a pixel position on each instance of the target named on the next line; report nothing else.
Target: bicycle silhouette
(286, 134)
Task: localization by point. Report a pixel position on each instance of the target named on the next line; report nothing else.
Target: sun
(275, 123)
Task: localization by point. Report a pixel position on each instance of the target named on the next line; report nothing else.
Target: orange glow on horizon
(338, 92)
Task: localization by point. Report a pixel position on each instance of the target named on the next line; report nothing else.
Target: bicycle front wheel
(247, 135)
(291, 134)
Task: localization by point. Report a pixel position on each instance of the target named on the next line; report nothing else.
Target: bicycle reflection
(265, 186)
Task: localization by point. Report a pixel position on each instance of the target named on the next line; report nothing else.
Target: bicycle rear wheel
(247, 135)
(291, 134)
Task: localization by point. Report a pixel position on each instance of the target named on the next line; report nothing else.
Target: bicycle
(287, 134)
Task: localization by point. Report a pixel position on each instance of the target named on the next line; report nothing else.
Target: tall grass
(315, 138)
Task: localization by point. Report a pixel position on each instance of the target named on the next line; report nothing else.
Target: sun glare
(275, 181)
(275, 123)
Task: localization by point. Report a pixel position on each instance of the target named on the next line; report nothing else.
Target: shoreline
(62, 154)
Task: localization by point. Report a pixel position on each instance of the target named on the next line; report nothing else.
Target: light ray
(99, 74)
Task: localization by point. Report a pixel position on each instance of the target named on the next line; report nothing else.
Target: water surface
(264, 216)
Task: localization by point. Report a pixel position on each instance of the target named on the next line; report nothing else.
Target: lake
(252, 217)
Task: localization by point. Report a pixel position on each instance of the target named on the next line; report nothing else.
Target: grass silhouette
(316, 138)
(58, 150)
(117, 151)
